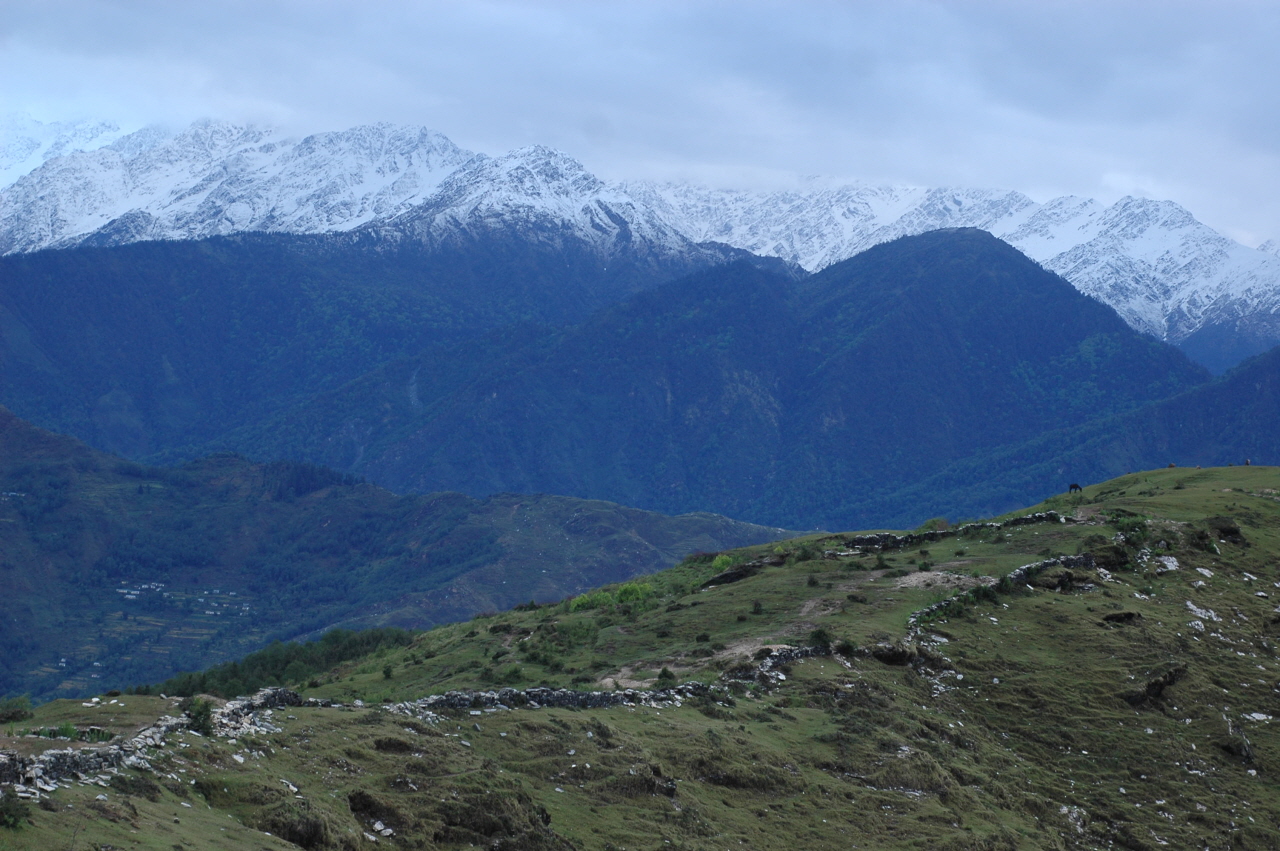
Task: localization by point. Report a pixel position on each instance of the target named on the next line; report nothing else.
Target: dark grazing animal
(1075, 488)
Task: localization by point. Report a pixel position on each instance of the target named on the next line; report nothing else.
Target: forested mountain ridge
(383, 359)
(152, 348)
(1230, 421)
(117, 573)
(755, 395)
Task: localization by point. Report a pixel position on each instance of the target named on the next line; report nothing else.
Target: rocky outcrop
(734, 574)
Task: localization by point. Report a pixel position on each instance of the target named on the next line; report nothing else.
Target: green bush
(594, 600)
(632, 592)
(625, 594)
(15, 709)
(820, 638)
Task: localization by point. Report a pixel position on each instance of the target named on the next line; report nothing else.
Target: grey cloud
(1051, 97)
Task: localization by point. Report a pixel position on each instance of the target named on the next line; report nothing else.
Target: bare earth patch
(943, 580)
(624, 679)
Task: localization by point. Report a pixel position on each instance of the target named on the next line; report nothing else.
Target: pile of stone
(247, 715)
(1020, 575)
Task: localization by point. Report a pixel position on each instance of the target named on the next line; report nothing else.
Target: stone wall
(31, 775)
(1016, 577)
(889, 541)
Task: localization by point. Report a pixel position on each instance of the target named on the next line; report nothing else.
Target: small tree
(14, 811)
(200, 711)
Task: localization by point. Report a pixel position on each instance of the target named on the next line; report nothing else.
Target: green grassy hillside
(116, 573)
(1121, 693)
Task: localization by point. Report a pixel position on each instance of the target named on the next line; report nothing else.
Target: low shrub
(15, 709)
(820, 638)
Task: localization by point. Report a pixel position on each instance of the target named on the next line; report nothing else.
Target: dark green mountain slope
(1226, 344)
(150, 348)
(1230, 421)
(123, 573)
(750, 394)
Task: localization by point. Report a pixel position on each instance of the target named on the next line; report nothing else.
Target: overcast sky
(1163, 99)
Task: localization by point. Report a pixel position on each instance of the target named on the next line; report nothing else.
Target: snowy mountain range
(26, 143)
(217, 178)
(1163, 271)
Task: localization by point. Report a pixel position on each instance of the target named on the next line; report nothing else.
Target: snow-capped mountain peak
(26, 143)
(217, 178)
(546, 195)
(1165, 272)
